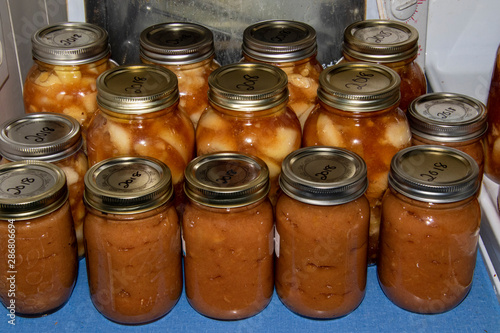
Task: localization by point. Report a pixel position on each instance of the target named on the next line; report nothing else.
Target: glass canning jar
(187, 49)
(248, 113)
(39, 263)
(68, 58)
(138, 115)
(321, 239)
(227, 235)
(390, 43)
(358, 110)
(291, 46)
(54, 138)
(430, 229)
(132, 239)
(452, 120)
(492, 141)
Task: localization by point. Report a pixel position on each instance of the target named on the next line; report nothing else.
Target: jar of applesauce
(227, 237)
(321, 239)
(248, 113)
(139, 116)
(291, 46)
(54, 138)
(132, 239)
(39, 262)
(68, 58)
(492, 145)
(430, 229)
(358, 110)
(452, 120)
(187, 49)
(390, 43)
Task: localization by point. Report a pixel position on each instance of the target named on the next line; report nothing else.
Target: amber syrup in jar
(187, 49)
(39, 248)
(248, 113)
(321, 238)
(68, 58)
(358, 110)
(139, 116)
(54, 138)
(452, 120)
(291, 46)
(392, 44)
(492, 145)
(132, 240)
(228, 234)
(430, 229)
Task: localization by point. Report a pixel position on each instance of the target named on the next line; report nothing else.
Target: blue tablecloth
(479, 312)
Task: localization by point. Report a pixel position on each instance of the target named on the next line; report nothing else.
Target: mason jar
(492, 145)
(132, 238)
(138, 115)
(390, 43)
(227, 236)
(187, 49)
(430, 229)
(54, 138)
(68, 57)
(39, 263)
(248, 113)
(358, 110)
(321, 239)
(291, 46)
(452, 120)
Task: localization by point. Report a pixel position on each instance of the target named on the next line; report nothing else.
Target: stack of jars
(272, 172)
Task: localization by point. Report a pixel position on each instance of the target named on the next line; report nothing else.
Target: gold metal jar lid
(359, 87)
(43, 136)
(447, 117)
(176, 43)
(128, 185)
(70, 43)
(137, 89)
(436, 174)
(380, 41)
(30, 189)
(323, 175)
(226, 179)
(279, 41)
(248, 86)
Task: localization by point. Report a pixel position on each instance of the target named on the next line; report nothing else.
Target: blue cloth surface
(479, 312)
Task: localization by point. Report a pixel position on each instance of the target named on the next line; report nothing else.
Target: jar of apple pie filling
(39, 263)
(54, 138)
(139, 116)
(392, 44)
(451, 120)
(228, 234)
(68, 58)
(430, 229)
(291, 46)
(321, 239)
(132, 238)
(359, 111)
(248, 113)
(187, 49)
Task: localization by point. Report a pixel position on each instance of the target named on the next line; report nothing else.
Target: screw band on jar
(359, 87)
(279, 41)
(70, 43)
(176, 43)
(127, 185)
(323, 175)
(380, 41)
(248, 87)
(46, 137)
(137, 89)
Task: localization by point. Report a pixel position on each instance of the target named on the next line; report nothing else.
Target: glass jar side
(492, 141)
